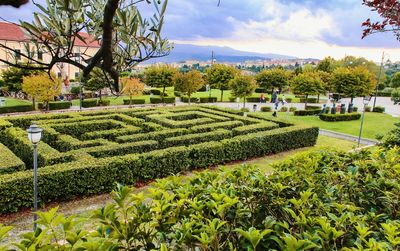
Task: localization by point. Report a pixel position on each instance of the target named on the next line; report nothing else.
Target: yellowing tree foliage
(132, 87)
(189, 83)
(41, 87)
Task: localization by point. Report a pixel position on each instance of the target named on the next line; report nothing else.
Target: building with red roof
(14, 37)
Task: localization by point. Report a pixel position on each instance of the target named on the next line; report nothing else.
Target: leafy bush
(244, 109)
(58, 105)
(8, 161)
(208, 100)
(284, 109)
(156, 92)
(177, 94)
(379, 109)
(344, 201)
(368, 108)
(392, 138)
(260, 90)
(135, 101)
(266, 109)
(103, 102)
(309, 100)
(292, 109)
(340, 117)
(192, 99)
(16, 108)
(155, 100)
(169, 100)
(396, 96)
(86, 103)
(313, 107)
(253, 99)
(307, 112)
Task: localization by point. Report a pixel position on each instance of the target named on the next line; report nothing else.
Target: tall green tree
(219, 75)
(13, 76)
(243, 86)
(189, 83)
(353, 82)
(160, 76)
(353, 62)
(271, 79)
(327, 64)
(308, 83)
(98, 80)
(395, 83)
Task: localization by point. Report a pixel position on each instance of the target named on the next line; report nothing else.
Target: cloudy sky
(302, 28)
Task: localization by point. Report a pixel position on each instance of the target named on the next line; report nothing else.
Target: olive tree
(125, 37)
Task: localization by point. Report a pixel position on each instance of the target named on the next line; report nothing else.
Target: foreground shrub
(340, 117)
(392, 138)
(135, 101)
(266, 109)
(307, 112)
(343, 201)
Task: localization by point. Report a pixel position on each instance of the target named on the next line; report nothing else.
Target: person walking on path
(274, 96)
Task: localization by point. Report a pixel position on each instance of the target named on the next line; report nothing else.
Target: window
(17, 55)
(40, 55)
(77, 74)
(59, 74)
(77, 57)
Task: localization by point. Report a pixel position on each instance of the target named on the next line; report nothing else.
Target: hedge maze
(86, 153)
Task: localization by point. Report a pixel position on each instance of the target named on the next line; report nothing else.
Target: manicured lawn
(13, 101)
(170, 92)
(374, 123)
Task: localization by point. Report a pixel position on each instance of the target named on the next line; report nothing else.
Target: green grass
(170, 92)
(264, 163)
(374, 123)
(13, 101)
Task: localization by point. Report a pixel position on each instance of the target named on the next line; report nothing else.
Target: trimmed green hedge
(16, 108)
(90, 176)
(214, 126)
(307, 112)
(58, 105)
(135, 101)
(169, 100)
(253, 99)
(266, 109)
(208, 100)
(379, 109)
(192, 99)
(265, 126)
(8, 161)
(86, 103)
(191, 139)
(340, 117)
(103, 102)
(309, 100)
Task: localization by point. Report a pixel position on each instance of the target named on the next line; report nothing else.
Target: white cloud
(292, 22)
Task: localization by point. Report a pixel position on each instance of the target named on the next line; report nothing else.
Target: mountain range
(186, 52)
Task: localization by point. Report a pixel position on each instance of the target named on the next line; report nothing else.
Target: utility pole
(379, 80)
(212, 62)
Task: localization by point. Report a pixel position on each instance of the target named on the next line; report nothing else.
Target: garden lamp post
(34, 135)
(365, 102)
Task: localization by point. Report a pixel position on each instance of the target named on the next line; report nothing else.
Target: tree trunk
(163, 94)
(244, 102)
(130, 100)
(47, 105)
(318, 98)
(189, 98)
(100, 95)
(351, 99)
(33, 103)
(222, 94)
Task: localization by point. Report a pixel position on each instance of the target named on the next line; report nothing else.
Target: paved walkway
(363, 141)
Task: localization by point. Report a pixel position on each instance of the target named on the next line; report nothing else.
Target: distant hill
(185, 52)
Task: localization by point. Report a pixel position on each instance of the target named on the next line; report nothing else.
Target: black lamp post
(34, 135)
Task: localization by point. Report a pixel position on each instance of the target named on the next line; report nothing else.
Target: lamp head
(34, 133)
(366, 100)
